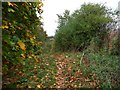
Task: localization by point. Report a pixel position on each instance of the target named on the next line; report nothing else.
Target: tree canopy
(75, 31)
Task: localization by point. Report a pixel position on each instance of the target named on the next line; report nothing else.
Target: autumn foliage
(21, 29)
(29, 59)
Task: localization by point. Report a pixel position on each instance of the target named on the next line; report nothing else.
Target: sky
(53, 7)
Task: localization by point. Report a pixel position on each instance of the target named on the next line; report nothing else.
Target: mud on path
(69, 76)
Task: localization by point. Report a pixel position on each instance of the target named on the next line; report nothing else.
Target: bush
(77, 30)
(20, 31)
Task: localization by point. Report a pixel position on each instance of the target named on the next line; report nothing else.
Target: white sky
(53, 7)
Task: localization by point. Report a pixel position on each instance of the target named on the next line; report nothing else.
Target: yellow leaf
(23, 55)
(22, 45)
(12, 4)
(31, 38)
(34, 37)
(3, 27)
(32, 55)
(29, 87)
(40, 4)
(75, 86)
(58, 86)
(29, 57)
(38, 86)
(35, 58)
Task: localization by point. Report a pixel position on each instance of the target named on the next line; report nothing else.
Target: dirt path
(66, 77)
(61, 67)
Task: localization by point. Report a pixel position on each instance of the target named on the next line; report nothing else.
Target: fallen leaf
(3, 27)
(35, 58)
(22, 45)
(87, 80)
(29, 87)
(29, 57)
(23, 55)
(38, 86)
(58, 86)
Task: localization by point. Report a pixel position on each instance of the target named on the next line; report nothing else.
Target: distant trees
(76, 31)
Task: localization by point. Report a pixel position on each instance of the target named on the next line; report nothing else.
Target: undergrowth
(104, 66)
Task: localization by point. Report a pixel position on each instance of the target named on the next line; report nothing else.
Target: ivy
(21, 29)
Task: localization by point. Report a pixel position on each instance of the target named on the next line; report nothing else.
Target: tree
(62, 20)
(83, 25)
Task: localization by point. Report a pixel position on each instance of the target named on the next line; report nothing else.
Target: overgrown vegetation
(23, 40)
(20, 38)
(78, 29)
(83, 54)
(90, 31)
(101, 67)
(20, 30)
(89, 23)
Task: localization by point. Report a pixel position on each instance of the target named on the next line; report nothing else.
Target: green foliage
(27, 59)
(21, 31)
(77, 30)
(32, 74)
(115, 50)
(106, 67)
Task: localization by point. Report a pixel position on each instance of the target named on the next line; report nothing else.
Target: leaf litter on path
(68, 76)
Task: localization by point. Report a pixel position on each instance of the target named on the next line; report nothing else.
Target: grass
(106, 67)
(102, 69)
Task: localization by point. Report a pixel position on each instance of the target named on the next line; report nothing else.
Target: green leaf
(11, 10)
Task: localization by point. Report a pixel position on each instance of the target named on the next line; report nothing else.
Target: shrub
(77, 30)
